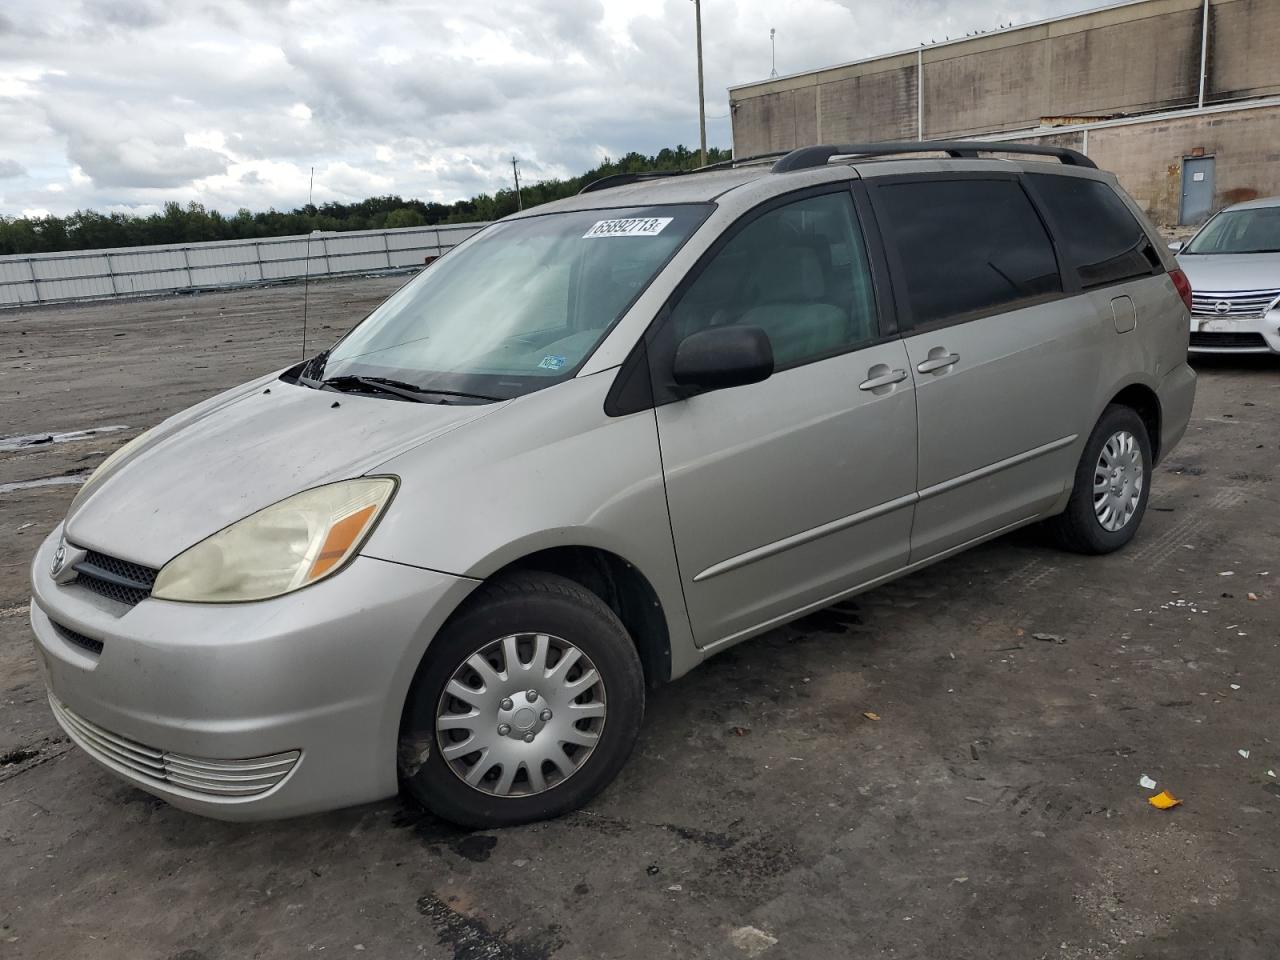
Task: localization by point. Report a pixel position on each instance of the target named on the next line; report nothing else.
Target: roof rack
(740, 161)
(818, 156)
(619, 179)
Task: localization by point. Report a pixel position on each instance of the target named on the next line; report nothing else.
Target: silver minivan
(595, 444)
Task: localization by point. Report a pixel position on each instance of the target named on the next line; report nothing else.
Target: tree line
(175, 223)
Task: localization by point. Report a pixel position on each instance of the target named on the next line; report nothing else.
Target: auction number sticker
(634, 227)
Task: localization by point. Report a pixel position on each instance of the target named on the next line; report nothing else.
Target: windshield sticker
(552, 363)
(634, 227)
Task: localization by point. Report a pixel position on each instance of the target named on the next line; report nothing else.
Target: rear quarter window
(966, 247)
(1100, 239)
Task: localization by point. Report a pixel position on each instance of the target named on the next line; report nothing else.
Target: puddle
(71, 478)
(26, 442)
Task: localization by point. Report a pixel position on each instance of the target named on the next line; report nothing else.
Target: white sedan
(1233, 263)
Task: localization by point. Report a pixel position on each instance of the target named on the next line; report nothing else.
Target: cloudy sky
(124, 104)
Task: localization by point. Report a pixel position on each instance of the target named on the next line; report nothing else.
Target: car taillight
(1182, 285)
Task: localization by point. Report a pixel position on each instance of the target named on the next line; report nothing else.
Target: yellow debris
(1164, 800)
(871, 716)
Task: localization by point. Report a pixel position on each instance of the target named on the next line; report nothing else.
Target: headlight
(288, 545)
(105, 467)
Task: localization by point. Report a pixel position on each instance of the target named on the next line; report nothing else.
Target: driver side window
(799, 272)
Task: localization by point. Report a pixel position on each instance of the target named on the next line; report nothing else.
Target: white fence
(141, 271)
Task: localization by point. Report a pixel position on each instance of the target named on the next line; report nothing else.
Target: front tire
(1112, 484)
(528, 703)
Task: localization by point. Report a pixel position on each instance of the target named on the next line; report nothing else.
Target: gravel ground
(993, 809)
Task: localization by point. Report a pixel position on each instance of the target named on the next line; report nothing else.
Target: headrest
(790, 275)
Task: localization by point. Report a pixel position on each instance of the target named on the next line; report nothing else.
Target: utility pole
(515, 172)
(702, 103)
(773, 53)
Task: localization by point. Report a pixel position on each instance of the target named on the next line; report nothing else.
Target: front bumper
(1213, 334)
(243, 711)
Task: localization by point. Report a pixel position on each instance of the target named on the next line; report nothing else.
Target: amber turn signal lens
(344, 534)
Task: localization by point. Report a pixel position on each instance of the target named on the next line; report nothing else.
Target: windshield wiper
(397, 388)
(374, 385)
(461, 394)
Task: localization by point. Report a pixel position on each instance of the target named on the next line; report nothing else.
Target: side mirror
(722, 357)
(1176, 246)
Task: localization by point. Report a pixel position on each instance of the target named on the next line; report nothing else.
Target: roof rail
(740, 161)
(818, 156)
(618, 179)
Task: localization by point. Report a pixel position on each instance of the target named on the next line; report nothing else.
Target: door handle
(883, 380)
(934, 364)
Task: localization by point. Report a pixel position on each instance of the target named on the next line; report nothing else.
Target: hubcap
(521, 715)
(1117, 481)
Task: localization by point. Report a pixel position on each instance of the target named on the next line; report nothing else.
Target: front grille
(213, 778)
(1240, 304)
(77, 638)
(1234, 341)
(115, 579)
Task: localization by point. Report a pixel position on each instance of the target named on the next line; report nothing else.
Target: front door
(786, 493)
(1197, 190)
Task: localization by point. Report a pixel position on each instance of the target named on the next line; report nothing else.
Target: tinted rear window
(966, 246)
(1096, 231)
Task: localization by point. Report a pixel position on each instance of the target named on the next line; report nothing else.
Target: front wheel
(526, 706)
(1112, 484)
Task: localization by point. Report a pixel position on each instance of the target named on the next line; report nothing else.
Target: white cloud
(126, 104)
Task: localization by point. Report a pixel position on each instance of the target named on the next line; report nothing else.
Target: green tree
(404, 217)
(89, 229)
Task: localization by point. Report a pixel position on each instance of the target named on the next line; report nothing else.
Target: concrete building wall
(1244, 49)
(870, 104)
(1147, 156)
(1126, 59)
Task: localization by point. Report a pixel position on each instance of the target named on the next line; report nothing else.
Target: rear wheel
(526, 706)
(1112, 484)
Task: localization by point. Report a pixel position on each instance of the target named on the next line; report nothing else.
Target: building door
(1197, 189)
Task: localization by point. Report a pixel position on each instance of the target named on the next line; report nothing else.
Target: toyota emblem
(59, 560)
(1221, 307)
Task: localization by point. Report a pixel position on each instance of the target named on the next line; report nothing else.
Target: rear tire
(548, 736)
(1112, 484)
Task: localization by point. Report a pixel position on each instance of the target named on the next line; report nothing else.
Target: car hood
(1225, 272)
(241, 451)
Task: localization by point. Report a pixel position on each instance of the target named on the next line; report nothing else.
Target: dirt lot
(992, 811)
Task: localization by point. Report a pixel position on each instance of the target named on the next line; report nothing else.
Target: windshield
(1255, 230)
(519, 306)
